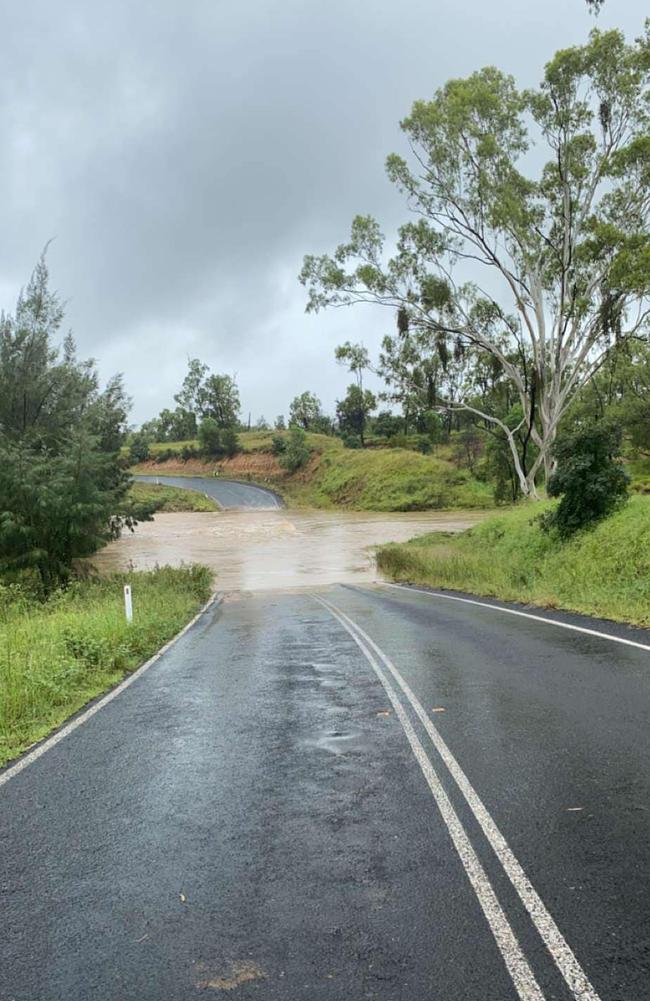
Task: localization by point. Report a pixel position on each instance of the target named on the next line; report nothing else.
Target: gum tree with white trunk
(529, 238)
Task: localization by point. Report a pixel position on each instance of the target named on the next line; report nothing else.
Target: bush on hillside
(297, 451)
(589, 478)
(278, 444)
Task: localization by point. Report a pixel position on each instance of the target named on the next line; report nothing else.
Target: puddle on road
(274, 550)
(336, 741)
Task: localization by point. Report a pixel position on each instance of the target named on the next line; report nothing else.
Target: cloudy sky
(185, 155)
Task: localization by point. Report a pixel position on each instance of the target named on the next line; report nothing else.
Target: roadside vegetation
(588, 551)
(319, 471)
(146, 499)
(64, 493)
(57, 655)
(604, 571)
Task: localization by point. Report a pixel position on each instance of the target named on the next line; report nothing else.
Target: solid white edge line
(562, 954)
(516, 963)
(515, 611)
(30, 756)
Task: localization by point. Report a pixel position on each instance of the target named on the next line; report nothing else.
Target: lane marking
(524, 615)
(564, 958)
(56, 738)
(516, 963)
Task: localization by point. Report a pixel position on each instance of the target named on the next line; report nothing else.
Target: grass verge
(58, 655)
(604, 571)
(156, 497)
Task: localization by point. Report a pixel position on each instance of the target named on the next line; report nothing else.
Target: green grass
(386, 480)
(156, 497)
(56, 656)
(604, 571)
(372, 479)
(639, 470)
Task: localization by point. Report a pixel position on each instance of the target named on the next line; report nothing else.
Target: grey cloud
(186, 155)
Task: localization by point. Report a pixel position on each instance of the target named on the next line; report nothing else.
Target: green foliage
(57, 655)
(620, 393)
(172, 425)
(351, 440)
(589, 478)
(387, 424)
(353, 411)
(139, 450)
(210, 437)
(305, 412)
(569, 244)
(62, 481)
(278, 444)
(297, 451)
(230, 442)
(604, 572)
(355, 357)
(209, 396)
(217, 442)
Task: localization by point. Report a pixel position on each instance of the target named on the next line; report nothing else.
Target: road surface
(367, 792)
(229, 494)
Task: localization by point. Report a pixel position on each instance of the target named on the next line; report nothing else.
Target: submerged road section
(360, 792)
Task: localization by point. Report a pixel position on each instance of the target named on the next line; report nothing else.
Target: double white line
(518, 967)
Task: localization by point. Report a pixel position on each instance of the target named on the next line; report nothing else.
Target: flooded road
(227, 493)
(268, 550)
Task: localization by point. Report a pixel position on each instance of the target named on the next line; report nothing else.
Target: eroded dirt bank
(263, 550)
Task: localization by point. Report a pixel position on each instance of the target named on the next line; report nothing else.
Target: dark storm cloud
(186, 155)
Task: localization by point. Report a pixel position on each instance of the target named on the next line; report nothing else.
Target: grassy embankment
(372, 479)
(604, 571)
(155, 497)
(56, 656)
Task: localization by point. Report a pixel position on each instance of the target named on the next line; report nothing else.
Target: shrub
(297, 451)
(139, 448)
(351, 440)
(589, 478)
(210, 437)
(278, 444)
(230, 442)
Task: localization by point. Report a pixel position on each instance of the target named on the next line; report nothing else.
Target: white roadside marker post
(128, 604)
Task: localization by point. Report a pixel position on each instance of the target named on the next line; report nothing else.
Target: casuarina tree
(544, 270)
(62, 482)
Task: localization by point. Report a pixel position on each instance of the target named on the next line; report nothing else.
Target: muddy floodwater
(268, 550)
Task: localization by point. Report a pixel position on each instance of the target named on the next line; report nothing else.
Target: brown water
(268, 550)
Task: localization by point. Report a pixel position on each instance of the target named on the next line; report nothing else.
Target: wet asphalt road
(229, 494)
(249, 816)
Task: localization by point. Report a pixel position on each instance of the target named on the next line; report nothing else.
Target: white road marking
(516, 963)
(565, 960)
(524, 615)
(78, 721)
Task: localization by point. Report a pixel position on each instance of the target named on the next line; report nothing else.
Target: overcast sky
(185, 155)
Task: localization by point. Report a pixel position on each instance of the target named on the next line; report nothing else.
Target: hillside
(372, 479)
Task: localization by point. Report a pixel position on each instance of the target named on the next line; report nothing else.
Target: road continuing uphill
(229, 494)
(361, 793)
